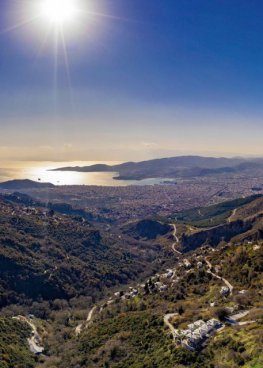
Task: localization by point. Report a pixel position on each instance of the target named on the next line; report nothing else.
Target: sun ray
(55, 76)
(19, 25)
(43, 42)
(67, 65)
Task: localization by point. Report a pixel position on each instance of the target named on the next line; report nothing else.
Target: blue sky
(151, 78)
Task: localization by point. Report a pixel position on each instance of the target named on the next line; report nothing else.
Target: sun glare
(59, 12)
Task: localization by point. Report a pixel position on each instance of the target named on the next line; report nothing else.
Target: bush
(221, 313)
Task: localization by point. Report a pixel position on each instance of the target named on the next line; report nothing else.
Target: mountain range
(174, 167)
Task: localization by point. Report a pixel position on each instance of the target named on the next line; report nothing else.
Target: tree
(221, 313)
(180, 310)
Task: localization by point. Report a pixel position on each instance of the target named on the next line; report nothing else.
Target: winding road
(35, 340)
(176, 240)
(167, 317)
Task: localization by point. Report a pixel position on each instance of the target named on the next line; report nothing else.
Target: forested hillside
(46, 256)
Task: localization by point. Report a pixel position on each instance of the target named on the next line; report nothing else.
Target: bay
(40, 171)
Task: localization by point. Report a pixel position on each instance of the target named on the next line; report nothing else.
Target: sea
(40, 171)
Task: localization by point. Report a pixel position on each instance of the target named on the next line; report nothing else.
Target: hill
(218, 213)
(146, 229)
(252, 208)
(136, 331)
(227, 223)
(24, 184)
(174, 167)
(48, 256)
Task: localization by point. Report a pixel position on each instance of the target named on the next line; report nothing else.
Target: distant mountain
(24, 184)
(174, 167)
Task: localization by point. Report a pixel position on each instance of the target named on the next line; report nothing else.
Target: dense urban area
(120, 204)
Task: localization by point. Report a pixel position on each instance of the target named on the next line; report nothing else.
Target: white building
(224, 291)
(197, 332)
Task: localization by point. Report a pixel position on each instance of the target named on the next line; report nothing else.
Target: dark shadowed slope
(24, 184)
(45, 255)
(147, 229)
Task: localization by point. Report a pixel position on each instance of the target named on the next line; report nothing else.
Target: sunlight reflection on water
(39, 171)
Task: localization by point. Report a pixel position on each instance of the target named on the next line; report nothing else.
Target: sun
(59, 12)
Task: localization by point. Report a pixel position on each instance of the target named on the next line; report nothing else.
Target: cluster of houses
(132, 293)
(196, 333)
(153, 284)
(157, 283)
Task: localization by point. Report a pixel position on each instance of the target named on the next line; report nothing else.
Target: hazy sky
(146, 78)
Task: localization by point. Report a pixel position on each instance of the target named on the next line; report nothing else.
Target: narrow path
(209, 264)
(79, 327)
(89, 318)
(232, 215)
(245, 323)
(166, 320)
(226, 282)
(236, 317)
